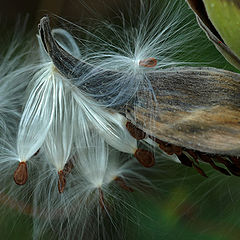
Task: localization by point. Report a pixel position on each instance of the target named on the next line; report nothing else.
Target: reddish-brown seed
(169, 148)
(200, 171)
(185, 160)
(145, 157)
(148, 62)
(21, 174)
(209, 160)
(101, 199)
(61, 181)
(137, 133)
(122, 184)
(235, 160)
(68, 167)
(234, 169)
(192, 154)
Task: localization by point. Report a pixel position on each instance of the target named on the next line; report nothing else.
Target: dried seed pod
(145, 157)
(21, 174)
(61, 181)
(137, 133)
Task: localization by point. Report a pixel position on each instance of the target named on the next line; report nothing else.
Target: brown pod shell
(61, 181)
(135, 132)
(148, 62)
(145, 157)
(21, 174)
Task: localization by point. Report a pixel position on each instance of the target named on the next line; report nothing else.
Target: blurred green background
(187, 206)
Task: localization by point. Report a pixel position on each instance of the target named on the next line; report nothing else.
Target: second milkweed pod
(212, 33)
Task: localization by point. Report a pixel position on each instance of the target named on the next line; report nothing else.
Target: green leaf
(225, 16)
(204, 21)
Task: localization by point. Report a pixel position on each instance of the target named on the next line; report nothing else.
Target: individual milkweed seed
(68, 167)
(208, 159)
(145, 157)
(235, 160)
(193, 155)
(122, 184)
(61, 181)
(135, 132)
(199, 170)
(148, 62)
(185, 160)
(233, 168)
(170, 149)
(101, 198)
(21, 174)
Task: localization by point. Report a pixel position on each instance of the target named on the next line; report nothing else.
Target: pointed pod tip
(21, 174)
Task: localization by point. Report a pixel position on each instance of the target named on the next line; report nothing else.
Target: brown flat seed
(101, 198)
(167, 148)
(185, 160)
(234, 169)
(122, 184)
(208, 159)
(68, 167)
(193, 155)
(235, 160)
(61, 181)
(177, 150)
(148, 62)
(21, 174)
(137, 133)
(145, 157)
(200, 171)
